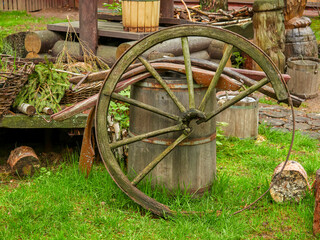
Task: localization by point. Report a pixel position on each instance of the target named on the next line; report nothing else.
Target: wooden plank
(1, 5)
(14, 5)
(105, 29)
(88, 16)
(5, 5)
(10, 5)
(36, 121)
(21, 5)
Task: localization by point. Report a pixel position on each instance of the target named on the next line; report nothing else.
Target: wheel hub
(192, 114)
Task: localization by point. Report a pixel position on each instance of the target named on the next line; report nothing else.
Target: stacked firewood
(198, 15)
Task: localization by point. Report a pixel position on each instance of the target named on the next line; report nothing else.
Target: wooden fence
(33, 5)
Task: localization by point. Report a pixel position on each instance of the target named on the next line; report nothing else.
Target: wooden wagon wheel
(189, 113)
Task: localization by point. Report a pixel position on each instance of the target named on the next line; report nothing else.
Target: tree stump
(269, 29)
(291, 184)
(23, 161)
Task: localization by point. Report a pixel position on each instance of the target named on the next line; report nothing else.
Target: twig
(185, 5)
(198, 11)
(72, 73)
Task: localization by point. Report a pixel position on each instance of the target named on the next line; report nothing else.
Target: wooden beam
(36, 121)
(88, 16)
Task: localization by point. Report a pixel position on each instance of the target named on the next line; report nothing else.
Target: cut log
(14, 45)
(156, 55)
(23, 161)
(316, 215)
(27, 109)
(106, 53)
(123, 47)
(32, 55)
(215, 49)
(292, 184)
(41, 41)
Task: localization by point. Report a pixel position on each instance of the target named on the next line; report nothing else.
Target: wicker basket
(13, 75)
(83, 92)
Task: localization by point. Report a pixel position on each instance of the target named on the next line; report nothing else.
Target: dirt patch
(312, 105)
(62, 13)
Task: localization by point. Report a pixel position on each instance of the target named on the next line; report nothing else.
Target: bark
(316, 216)
(23, 161)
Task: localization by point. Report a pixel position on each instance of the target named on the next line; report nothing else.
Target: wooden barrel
(140, 16)
(304, 73)
(191, 166)
(242, 118)
(300, 42)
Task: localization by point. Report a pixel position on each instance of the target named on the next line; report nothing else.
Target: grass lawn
(20, 21)
(61, 204)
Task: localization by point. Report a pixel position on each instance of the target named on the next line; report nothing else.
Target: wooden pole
(269, 30)
(166, 9)
(88, 17)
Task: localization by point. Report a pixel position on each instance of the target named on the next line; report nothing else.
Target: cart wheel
(186, 114)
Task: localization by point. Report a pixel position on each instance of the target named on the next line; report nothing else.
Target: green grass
(315, 26)
(61, 204)
(20, 21)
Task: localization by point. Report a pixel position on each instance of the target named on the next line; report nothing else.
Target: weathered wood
(291, 185)
(23, 161)
(316, 215)
(293, 12)
(305, 76)
(242, 118)
(300, 42)
(41, 41)
(27, 109)
(269, 31)
(106, 53)
(123, 47)
(166, 8)
(89, 24)
(37, 121)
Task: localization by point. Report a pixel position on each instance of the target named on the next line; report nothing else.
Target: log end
(291, 185)
(23, 161)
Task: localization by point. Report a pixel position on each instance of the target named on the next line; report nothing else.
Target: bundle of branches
(45, 88)
(198, 15)
(67, 60)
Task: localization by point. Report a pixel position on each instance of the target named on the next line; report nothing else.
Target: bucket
(191, 166)
(300, 42)
(304, 72)
(242, 117)
(140, 16)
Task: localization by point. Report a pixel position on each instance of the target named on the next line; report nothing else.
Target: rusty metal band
(171, 85)
(193, 142)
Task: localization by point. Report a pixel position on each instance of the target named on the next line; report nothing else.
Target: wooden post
(316, 216)
(88, 17)
(269, 30)
(166, 9)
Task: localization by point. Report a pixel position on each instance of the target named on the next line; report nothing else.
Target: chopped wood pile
(220, 17)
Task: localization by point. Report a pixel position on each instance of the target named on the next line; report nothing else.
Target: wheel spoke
(216, 76)
(235, 99)
(140, 137)
(187, 63)
(148, 107)
(156, 75)
(158, 159)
